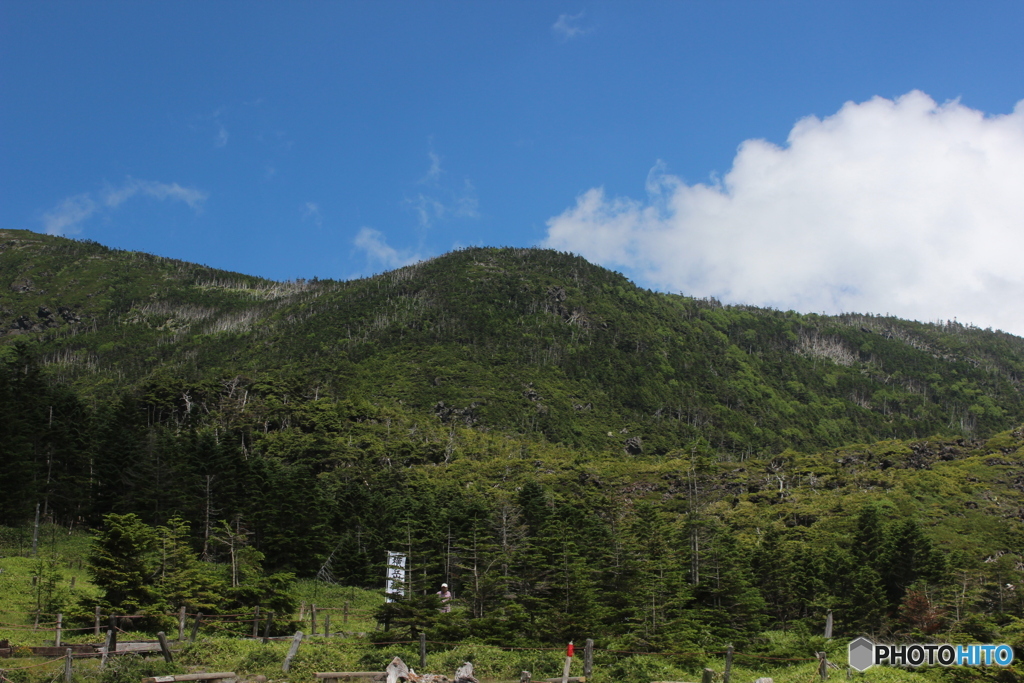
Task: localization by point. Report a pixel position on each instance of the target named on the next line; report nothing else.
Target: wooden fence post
(588, 658)
(60, 624)
(106, 649)
(256, 622)
(96, 623)
(708, 676)
(162, 637)
(302, 611)
(423, 651)
(327, 625)
(112, 634)
(828, 625)
(67, 666)
(195, 627)
(822, 665)
(181, 623)
(296, 639)
(728, 664)
(266, 628)
(344, 614)
(312, 619)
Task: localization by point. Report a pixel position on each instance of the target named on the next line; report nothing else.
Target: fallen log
(218, 676)
(334, 675)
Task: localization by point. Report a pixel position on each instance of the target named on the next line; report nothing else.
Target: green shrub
(132, 668)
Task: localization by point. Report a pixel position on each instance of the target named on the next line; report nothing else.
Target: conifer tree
(727, 597)
(181, 579)
(120, 563)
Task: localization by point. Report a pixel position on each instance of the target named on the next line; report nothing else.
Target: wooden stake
(327, 624)
(195, 627)
(302, 610)
(728, 664)
(565, 669)
(96, 623)
(60, 624)
(181, 623)
(828, 625)
(106, 649)
(296, 640)
(163, 646)
(423, 651)
(588, 657)
(112, 633)
(312, 620)
(266, 628)
(256, 622)
(344, 614)
(708, 676)
(822, 665)
(67, 666)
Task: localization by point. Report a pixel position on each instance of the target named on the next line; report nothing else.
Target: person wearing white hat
(446, 597)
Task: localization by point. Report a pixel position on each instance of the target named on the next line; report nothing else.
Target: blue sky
(334, 139)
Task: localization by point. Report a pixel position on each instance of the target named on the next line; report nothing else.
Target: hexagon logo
(861, 653)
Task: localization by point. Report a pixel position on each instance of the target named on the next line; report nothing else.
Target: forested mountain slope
(575, 454)
(521, 340)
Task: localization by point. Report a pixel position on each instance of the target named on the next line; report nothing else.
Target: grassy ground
(47, 583)
(330, 600)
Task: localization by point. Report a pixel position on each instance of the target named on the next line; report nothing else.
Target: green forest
(576, 456)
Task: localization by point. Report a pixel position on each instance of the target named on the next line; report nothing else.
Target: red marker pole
(568, 661)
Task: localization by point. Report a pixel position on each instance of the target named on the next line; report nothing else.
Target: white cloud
(379, 253)
(427, 209)
(434, 172)
(67, 216)
(568, 26)
(466, 203)
(439, 201)
(221, 139)
(115, 196)
(311, 212)
(905, 207)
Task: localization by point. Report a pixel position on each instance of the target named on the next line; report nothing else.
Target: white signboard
(395, 572)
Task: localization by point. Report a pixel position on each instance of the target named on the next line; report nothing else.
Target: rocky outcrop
(43, 320)
(448, 414)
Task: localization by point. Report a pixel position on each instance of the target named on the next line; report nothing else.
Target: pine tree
(121, 563)
(181, 579)
(866, 605)
(908, 557)
(727, 597)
